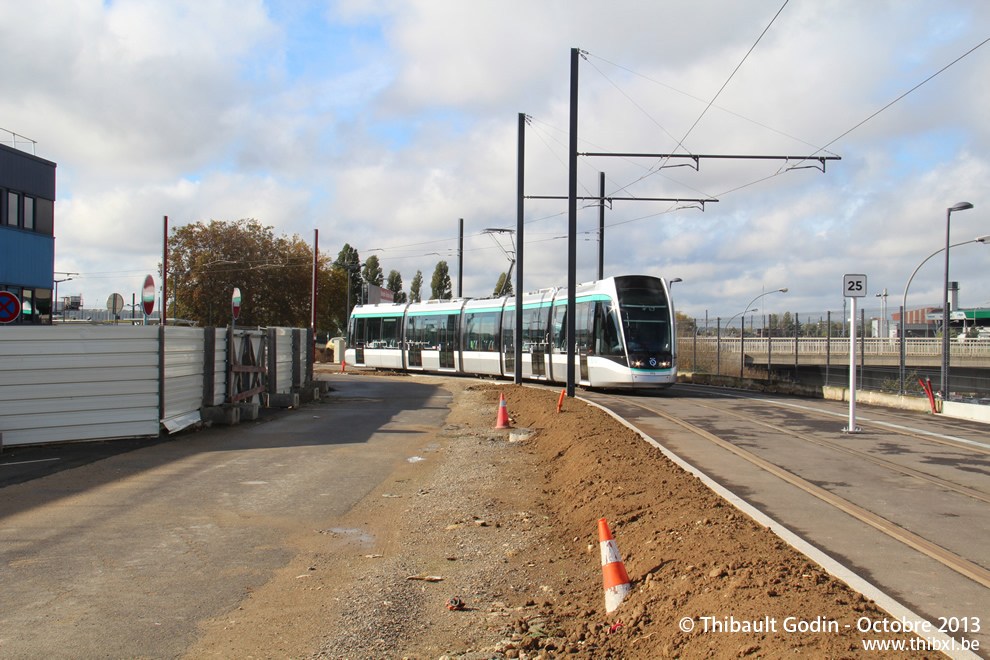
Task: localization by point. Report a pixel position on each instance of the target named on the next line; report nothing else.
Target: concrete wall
(968, 411)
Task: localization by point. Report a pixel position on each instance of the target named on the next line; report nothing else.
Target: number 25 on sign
(854, 286)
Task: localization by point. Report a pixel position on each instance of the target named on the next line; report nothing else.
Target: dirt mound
(688, 553)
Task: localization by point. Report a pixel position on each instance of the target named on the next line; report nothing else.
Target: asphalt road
(120, 549)
(927, 475)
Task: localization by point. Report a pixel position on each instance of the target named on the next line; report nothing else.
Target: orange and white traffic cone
(503, 414)
(613, 570)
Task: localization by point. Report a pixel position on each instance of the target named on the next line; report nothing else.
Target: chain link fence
(814, 349)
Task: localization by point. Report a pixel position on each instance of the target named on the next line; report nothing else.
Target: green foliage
(416, 288)
(274, 273)
(504, 286)
(395, 286)
(349, 262)
(440, 284)
(372, 272)
(686, 325)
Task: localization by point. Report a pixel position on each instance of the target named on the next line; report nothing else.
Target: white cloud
(402, 119)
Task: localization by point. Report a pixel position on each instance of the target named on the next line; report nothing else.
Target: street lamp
(742, 330)
(961, 206)
(903, 326)
(784, 290)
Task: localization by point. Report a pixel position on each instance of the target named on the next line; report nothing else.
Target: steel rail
(949, 559)
(882, 462)
(885, 426)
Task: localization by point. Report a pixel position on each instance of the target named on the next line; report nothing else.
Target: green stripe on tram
(593, 297)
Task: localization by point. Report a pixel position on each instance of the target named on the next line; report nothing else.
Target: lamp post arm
(981, 239)
(767, 293)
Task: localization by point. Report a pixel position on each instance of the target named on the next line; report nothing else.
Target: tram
(625, 335)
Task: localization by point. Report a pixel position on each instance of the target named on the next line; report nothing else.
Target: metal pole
(828, 344)
(862, 346)
(797, 338)
(852, 368)
(316, 253)
(460, 258)
(945, 314)
(164, 272)
(694, 359)
(718, 346)
(900, 337)
(742, 346)
(601, 226)
(572, 223)
(520, 197)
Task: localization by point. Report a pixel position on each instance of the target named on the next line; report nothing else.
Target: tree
(207, 261)
(440, 284)
(504, 286)
(416, 287)
(686, 326)
(349, 261)
(395, 286)
(372, 272)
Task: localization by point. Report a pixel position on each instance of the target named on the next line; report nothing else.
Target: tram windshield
(645, 314)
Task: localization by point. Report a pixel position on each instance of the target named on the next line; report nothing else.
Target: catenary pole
(164, 271)
(601, 226)
(572, 223)
(520, 212)
(460, 258)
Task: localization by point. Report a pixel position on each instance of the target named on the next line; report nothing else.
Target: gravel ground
(510, 530)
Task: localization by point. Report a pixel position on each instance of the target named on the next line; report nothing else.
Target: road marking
(862, 419)
(40, 460)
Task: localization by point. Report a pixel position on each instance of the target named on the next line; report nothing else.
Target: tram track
(957, 443)
(881, 462)
(949, 559)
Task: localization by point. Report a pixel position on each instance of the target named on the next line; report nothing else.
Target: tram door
(536, 335)
(508, 341)
(583, 332)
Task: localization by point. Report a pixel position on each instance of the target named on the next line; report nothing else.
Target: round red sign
(148, 295)
(10, 307)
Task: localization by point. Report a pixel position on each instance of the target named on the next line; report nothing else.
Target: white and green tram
(624, 335)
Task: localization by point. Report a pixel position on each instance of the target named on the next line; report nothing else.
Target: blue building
(27, 232)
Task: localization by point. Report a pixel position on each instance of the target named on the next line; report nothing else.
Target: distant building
(27, 232)
(917, 322)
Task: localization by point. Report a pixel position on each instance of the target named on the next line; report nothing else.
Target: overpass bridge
(877, 351)
(825, 361)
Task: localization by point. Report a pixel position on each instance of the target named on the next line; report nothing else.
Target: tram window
(390, 332)
(430, 324)
(373, 332)
(508, 330)
(582, 326)
(560, 327)
(413, 331)
(535, 327)
(357, 331)
(480, 331)
(607, 339)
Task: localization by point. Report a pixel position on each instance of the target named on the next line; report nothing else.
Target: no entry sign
(10, 307)
(148, 295)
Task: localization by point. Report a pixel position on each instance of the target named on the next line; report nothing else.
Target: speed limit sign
(854, 286)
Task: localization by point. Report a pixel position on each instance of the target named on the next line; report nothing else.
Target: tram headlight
(652, 362)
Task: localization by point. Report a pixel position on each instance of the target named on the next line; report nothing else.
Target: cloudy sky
(382, 122)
